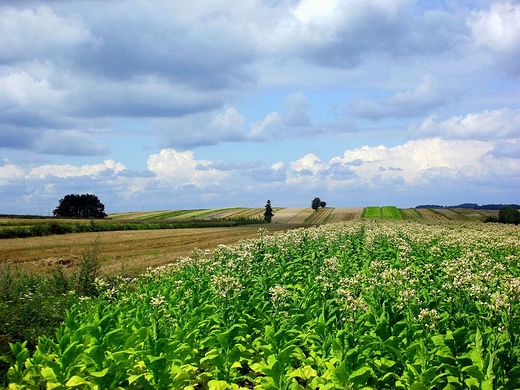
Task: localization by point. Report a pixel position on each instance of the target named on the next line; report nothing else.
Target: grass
(372, 212)
(391, 212)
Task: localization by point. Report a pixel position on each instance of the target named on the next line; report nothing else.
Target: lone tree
(268, 214)
(317, 203)
(80, 206)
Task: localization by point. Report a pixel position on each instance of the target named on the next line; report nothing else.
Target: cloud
(507, 149)
(69, 142)
(486, 125)
(498, 29)
(342, 34)
(297, 106)
(212, 128)
(71, 171)
(10, 172)
(28, 34)
(182, 168)
(424, 98)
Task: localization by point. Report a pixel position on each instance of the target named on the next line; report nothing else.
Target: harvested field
(127, 252)
(301, 216)
(285, 215)
(451, 214)
(319, 216)
(345, 214)
(411, 214)
(430, 214)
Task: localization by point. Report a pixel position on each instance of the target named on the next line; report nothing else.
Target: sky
(157, 105)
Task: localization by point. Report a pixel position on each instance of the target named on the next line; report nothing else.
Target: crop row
(368, 304)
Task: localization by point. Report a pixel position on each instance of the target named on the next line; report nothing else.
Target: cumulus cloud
(410, 164)
(183, 169)
(486, 125)
(10, 172)
(71, 171)
(498, 29)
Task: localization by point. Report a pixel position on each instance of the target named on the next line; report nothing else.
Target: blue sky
(170, 105)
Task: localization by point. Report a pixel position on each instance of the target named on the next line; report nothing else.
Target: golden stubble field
(121, 252)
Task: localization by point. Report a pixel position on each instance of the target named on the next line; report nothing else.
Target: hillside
(305, 215)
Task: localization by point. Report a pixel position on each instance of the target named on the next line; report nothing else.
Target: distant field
(372, 212)
(133, 251)
(391, 212)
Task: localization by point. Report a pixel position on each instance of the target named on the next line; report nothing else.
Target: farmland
(139, 240)
(411, 304)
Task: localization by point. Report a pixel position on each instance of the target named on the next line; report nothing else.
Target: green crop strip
(372, 212)
(370, 304)
(391, 212)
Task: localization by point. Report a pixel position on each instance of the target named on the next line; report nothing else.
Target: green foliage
(317, 203)
(80, 206)
(370, 304)
(89, 270)
(30, 307)
(268, 213)
(509, 214)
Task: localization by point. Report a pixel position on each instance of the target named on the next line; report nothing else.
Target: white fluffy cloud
(497, 28)
(486, 125)
(70, 171)
(183, 169)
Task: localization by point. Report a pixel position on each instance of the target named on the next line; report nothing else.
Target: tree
(268, 214)
(317, 203)
(80, 206)
(509, 214)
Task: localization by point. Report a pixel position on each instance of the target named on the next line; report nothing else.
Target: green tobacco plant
(370, 304)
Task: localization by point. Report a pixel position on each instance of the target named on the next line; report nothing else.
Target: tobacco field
(369, 304)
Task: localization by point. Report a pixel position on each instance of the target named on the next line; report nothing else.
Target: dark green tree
(509, 214)
(268, 214)
(323, 204)
(80, 206)
(316, 204)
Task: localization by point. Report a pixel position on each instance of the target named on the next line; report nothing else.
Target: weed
(89, 269)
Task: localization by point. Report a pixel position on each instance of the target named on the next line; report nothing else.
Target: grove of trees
(80, 206)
